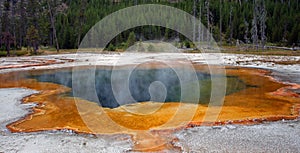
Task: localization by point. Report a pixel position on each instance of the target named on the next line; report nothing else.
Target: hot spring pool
(139, 82)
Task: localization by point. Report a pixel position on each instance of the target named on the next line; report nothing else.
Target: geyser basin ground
(58, 112)
(252, 94)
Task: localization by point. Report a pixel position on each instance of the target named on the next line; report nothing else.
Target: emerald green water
(139, 82)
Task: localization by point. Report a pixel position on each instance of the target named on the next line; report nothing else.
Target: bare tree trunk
(263, 17)
(220, 22)
(6, 26)
(200, 28)
(208, 22)
(1, 21)
(14, 25)
(79, 37)
(22, 28)
(254, 30)
(246, 38)
(53, 26)
(194, 26)
(8, 48)
(34, 48)
(230, 24)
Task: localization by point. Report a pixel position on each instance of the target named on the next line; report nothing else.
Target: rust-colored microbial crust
(265, 100)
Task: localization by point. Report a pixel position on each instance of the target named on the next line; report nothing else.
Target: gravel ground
(273, 137)
(62, 143)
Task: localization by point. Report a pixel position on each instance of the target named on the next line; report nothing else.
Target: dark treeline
(63, 23)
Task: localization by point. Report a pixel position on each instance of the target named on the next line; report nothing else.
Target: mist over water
(163, 84)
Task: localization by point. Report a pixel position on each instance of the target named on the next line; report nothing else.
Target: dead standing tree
(194, 25)
(208, 23)
(259, 24)
(246, 34)
(1, 21)
(14, 3)
(231, 25)
(254, 29)
(262, 23)
(209, 17)
(54, 8)
(220, 26)
(22, 23)
(52, 19)
(200, 31)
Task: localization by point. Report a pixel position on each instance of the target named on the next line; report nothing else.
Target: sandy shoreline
(279, 136)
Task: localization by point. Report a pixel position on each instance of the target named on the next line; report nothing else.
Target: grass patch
(279, 52)
(279, 62)
(266, 52)
(14, 53)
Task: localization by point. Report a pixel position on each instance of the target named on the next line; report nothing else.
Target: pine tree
(229, 17)
(7, 38)
(32, 37)
(81, 21)
(131, 39)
